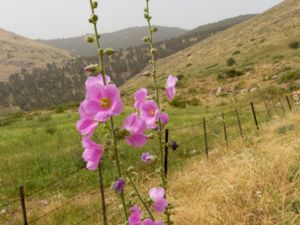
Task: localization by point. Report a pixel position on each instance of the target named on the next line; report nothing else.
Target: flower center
(152, 112)
(105, 103)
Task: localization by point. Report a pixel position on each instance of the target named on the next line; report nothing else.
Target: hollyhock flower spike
(136, 128)
(139, 97)
(157, 196)
(92, 153)
(103, 102)
(170, 87)
(150, 113)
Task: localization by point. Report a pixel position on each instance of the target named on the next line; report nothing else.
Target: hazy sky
(66, 18)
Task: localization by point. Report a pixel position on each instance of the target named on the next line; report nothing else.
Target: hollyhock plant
(139, 97)
(170, 87)
(102, 102)
(157, 196)
(136, 128)
(150, 113)
(92, 153)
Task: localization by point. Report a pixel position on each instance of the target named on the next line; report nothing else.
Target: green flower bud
(101, 51)
(94, 18)
(153, 50)
(154, 29)
(108, 51)
(90, 39)
(95, 4)
(146, 39)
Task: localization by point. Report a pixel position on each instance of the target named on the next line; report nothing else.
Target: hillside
(17, 53)
(256, 54)
(125, 38)
(28, 90)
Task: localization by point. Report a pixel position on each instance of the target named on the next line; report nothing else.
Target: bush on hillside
(290, 76)
(230, 61)
(294, 45)
(178, 102)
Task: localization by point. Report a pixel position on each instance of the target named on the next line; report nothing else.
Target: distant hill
(125, 38)
(17, 53)
(260, 55)
(59, 84)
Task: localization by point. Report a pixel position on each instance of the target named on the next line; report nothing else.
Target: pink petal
(92, 107)
(117, 108)
(135, 216)
(160, 205)
(140, 96)
(133, 123)
(148, 222)
(86, 126)
(171, 81)
(170, 92)
(164, 118)
(137, 140)
(156, 193)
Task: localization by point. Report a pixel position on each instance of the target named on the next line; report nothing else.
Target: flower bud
(94, 18)
(90, 39)
(153, 50)
(95, 4)
(154, 29)
(93, 68)
(108, 51)
(101, 51)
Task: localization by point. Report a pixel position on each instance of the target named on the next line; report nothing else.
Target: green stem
(161, 146)
(139, 196)
(101, 64)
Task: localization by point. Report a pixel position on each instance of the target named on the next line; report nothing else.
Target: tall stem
(104, 214)
(112, 126)
(160, 134)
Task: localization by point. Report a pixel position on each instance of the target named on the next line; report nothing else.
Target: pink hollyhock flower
(86, 125)
(164, 118)
(92, 153)
(136, 127)
(102, 102)
(96, 80)
(139, 97)
(146, 157)
(150, 113)
(157, 196)
(170, 87)
(135, 217)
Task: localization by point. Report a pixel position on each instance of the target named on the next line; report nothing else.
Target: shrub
(180, 76)
(233, 73)
(294, 45)
(59, 109)
(236, 52)
(194, 102)
(290, 76)
(50, 128)
(44, 118)
(230, 61)
(178, 102)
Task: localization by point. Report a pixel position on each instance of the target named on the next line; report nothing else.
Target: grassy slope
(18, 53)
(262, 43)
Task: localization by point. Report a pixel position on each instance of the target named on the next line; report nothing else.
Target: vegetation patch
(294, 45)
(290, 76)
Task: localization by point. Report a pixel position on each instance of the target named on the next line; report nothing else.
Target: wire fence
(192, 139)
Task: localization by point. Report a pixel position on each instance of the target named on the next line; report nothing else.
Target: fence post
(205, 138)
(288, 101)
(103, 203)
(225, 129)
(166, 151)
(239, 122)
(23, 206)
(268, 111)
(254, 115)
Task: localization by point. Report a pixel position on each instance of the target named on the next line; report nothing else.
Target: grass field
(40, 150)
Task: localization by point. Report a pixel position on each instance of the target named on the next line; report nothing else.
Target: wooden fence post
(268, 111)
(239, 122)
(166, 151)
(23, 206)
(288, 101)
(205, 138)
(225, 129)
(254, 115)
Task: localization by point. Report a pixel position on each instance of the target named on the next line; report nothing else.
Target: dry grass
(254, 182)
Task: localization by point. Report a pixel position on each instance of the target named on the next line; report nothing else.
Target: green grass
(42, 148)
